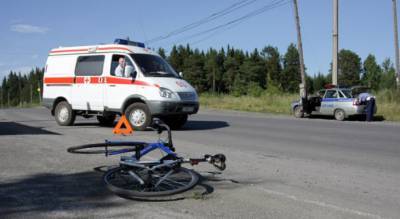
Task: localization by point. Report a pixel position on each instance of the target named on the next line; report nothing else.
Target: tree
(388, 79)
(239, 86)
(349, 68)
(253, 69)
(273, 66)
(320, 81)
(161, 52)
(291, 70)
(372, 73)
(193, 67)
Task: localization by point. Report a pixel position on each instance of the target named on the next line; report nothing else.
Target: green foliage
(161, 52)
(320, 81)
(372, 73)
(19, 89)
(254, 89)
(388, 79)
(239, 86)
(349, 68)
(273, 66)
(291, 70)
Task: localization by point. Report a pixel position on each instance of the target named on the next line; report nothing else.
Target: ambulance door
(88, 89)
(119, 88)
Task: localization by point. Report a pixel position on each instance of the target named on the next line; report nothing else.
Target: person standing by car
(369, 100)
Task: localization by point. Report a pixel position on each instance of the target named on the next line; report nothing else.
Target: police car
(81, 81)
(334, 101)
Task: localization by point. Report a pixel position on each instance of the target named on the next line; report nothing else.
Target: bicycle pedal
(128, 159)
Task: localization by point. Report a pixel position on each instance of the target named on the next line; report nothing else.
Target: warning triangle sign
(123, 127)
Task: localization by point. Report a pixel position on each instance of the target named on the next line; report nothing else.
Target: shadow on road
(361, 118)
(43, 193)
(203, 125)
(191, 125)
(13, 128)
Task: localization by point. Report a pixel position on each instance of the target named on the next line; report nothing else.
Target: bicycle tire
(132, 193)
(93, 148)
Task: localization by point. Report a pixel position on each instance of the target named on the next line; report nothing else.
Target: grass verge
(388, 102)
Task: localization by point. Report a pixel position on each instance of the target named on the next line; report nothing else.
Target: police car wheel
(138, 115)
(298, 112)
(339, 115)
(64, 114)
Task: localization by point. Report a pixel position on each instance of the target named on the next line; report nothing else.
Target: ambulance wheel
(138, 114)
(339, 115)
(298, 112)
(176, 121)
(106, 120)
(64, 114)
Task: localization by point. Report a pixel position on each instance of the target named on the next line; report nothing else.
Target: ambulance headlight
(165, 92)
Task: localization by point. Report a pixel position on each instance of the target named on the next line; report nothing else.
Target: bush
(254, 90)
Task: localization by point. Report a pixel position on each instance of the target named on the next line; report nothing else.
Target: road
(278, 167)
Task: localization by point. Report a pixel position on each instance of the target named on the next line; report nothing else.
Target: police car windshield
(154, 66)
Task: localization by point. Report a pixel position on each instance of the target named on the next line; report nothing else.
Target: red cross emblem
(86, 80)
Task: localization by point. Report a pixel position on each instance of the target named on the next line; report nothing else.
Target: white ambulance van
(84, 81)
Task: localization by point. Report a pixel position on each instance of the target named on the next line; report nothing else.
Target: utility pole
(8, 98)
(31, 92)
(40, 92)
(303, 86)
(396, 42)
(213, 83)
(335, 35)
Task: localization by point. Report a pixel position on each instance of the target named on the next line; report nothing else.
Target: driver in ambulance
(120, 70)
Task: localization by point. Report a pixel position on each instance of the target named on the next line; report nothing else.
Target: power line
(230, 24)
(202, 21)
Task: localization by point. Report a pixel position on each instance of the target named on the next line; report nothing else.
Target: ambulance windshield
(154, 66)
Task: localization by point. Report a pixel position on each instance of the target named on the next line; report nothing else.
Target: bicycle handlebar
(159, 126)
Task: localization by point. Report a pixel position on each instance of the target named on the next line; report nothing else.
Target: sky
(30, 29)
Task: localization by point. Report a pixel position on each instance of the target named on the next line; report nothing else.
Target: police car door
(328, 102)
(88, 89)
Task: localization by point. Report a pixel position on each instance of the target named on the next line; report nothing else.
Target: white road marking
(320, 204)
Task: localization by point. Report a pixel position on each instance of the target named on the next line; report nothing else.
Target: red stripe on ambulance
(93, 80)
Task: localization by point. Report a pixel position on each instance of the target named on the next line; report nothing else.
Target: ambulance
(82, 81)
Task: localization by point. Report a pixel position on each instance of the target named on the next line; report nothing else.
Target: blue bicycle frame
(149, 147)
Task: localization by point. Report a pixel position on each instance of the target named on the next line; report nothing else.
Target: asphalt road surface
(278, 167)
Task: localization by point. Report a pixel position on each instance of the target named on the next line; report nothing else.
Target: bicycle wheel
(100, 148)
(163, 182)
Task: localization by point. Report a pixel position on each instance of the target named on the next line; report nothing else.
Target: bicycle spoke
(163, 178)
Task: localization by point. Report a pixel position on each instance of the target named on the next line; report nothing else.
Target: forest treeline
(233, 71)
(238, 72)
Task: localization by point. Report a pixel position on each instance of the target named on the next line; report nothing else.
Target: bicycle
(136, 178)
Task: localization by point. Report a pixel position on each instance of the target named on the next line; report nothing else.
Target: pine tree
(291, 70)
(349, 68)
(372, 73)
(273, 66)
(388, 79)
(161, 52)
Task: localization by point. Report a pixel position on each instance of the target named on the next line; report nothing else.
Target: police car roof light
(128, 42)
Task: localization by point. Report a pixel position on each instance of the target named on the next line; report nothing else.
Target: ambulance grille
(187, 96)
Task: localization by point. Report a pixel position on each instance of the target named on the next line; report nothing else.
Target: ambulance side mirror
(133, 75)
(130, 70)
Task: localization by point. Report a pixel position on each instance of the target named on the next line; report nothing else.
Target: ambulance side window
(114, 63)
(89, 66)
